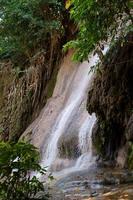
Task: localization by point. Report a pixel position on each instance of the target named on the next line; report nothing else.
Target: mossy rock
(97, 139)
(130, 156)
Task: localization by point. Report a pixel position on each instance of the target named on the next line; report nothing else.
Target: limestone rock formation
(111, 98)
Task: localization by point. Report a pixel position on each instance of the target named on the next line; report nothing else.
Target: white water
(77, 94)
(85, 143)
(65, 115)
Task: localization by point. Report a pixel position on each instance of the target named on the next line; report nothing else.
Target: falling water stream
(78, 93)
(76, 96)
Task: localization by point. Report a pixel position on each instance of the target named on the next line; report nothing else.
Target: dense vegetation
(26, 26)
(98, 22)
(17, 161)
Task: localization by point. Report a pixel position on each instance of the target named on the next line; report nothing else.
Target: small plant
(17, 161)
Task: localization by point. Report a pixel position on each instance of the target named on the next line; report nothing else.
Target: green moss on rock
(130, 156)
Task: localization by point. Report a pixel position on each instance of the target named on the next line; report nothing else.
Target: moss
(130, 156)
(98, 137)
(98, 145)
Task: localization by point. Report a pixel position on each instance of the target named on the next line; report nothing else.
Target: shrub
(17, 161)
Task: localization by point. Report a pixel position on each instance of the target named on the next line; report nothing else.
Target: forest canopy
(26, 24)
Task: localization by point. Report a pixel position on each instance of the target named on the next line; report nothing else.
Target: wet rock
(110, 181)
(68, 146)
(122, 157)
(126, 179)
(60, 164)
(129, 129)
(96, 139)
(102, 183)
(111, 99)
(86, 184)
(94, 194)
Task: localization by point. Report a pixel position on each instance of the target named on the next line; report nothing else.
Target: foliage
(68, 4)
(98, 21)
(17, 161)
(26, 24)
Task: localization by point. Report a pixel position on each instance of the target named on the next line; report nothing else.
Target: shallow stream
(96, 183)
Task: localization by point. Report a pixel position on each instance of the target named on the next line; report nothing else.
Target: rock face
(111, 98)
(69, 146)
(23, 93)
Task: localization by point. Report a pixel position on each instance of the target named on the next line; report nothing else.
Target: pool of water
(96, 184)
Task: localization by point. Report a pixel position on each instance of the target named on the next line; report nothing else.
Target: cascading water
(85, 143)
(85, 137)
(77, 95)
(65, 120)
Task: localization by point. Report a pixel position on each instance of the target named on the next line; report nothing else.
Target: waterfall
(77, 94)
(85, 143)
(61, 123)
(64, 121)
